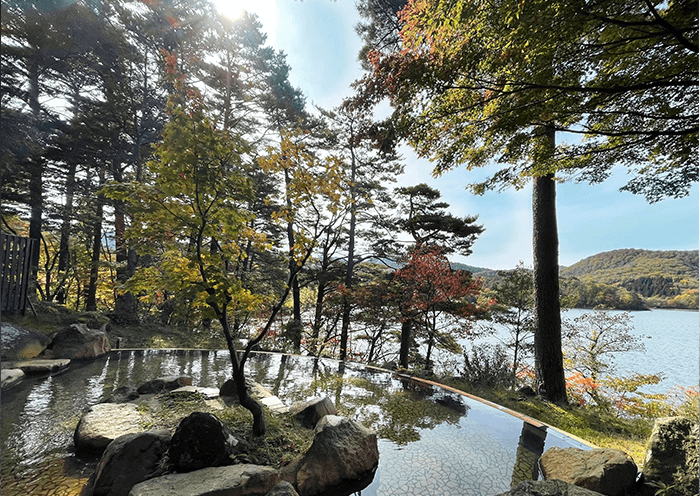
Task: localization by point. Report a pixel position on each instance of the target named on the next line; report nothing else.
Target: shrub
(487, 366)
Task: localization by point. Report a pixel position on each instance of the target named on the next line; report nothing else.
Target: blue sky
(321, 45)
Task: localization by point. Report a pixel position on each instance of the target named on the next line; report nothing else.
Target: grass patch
(284, 441)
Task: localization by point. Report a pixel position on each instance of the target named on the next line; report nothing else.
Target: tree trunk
(345, 327)
(64, 250)
(126, 305)
(244, 397)
(318, 316)
(36, 175)
(295, 325)
(406, 325)
(431, 342)
(549, 367)
(91, 297)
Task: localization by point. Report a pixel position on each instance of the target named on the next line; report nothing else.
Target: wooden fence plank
(15, 272)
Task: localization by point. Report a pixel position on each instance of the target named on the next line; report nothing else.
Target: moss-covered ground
(284, 441)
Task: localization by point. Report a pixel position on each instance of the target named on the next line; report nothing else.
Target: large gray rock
(665, 449)
(9, 377)
(605, 471)
(202, 440)
(274, 404)
(256, 390)
(19, 343)
(283, 488)
(104, 423)
(164, 384)
(220, 481)
(342, 451)
(41, 366)
(548, 488)
(196, 391)
(129, 460)
(78, 342)
(308, 413)
(122, 394)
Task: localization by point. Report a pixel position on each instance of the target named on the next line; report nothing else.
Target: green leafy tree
(193, 211)
(476, 82)
(375, 312)
(592, 341)
(514, 311)
(371, 164)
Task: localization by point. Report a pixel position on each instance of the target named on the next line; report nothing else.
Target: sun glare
(266, 10)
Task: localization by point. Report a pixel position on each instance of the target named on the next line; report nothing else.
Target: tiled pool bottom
(484, 454)
(433, 441)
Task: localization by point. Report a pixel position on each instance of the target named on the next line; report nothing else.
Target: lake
(672, 342)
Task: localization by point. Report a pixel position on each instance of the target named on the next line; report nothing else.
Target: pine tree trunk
(406, 325)
(345, 327)
(91, 297)
(295, 325)
(549, 368)
(125, 306)
(64, 249)
(36, 175)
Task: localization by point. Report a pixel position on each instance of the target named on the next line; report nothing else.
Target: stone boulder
(308, 413)
(342, 451)
(208, 393)
(666, 453)
(10, 377)
(122, 394)
(78, 342)
(283, 488)
(129, 460)
(605, 471)
(104, 423)
(237, 480)
(164, 384)
(230, 391)
(202, 440)
(18, 343)
(274, 404)
(42, 367)
(548, 488)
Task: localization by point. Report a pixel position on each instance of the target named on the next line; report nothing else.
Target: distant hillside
(469, 268)
(660, 278)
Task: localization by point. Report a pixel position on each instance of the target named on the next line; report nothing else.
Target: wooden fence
(16, 259)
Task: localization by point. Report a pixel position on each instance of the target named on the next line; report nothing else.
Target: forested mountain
(660, 278)
(631, 264)
(626, 279)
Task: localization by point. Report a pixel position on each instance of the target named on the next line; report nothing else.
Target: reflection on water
(530, 448)
(432, 441)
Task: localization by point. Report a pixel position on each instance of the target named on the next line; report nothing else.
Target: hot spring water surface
(431, 441)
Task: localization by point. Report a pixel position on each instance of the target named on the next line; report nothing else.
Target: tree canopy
(474, 82)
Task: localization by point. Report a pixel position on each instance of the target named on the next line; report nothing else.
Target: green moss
(284, 440)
